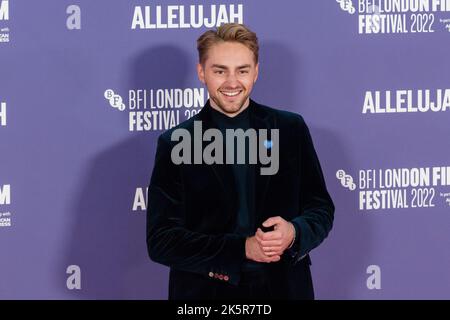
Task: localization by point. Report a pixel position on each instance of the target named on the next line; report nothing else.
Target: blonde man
(225, 229)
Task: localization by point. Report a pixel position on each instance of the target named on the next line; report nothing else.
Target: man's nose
(232, 79)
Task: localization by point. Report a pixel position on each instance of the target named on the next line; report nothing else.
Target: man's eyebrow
(221, 66)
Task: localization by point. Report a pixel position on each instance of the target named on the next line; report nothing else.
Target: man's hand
(273, 243)
(254, 252)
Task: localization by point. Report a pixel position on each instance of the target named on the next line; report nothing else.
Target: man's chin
(230, 111)
(232, 107)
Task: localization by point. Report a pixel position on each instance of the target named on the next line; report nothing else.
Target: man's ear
(201, 73)
(257, 72)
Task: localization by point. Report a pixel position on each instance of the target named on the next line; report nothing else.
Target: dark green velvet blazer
(191, 212)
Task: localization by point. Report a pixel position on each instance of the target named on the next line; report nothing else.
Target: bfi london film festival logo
(399, 188)
(5, 200)
(158, 109)
(4, 16)
(347, 5)
(399, 16)
(406, 101)
(186, 16)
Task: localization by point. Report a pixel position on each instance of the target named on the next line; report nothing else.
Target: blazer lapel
(223, 172)
(259, 119)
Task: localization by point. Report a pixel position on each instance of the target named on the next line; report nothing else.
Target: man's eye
(244, 71)
(218, 71)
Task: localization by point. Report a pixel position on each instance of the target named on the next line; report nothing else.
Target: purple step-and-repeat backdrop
(86, 87)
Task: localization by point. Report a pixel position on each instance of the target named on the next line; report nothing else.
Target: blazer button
(216, 275)
(226, 278)
(211, 274)
(220, 276)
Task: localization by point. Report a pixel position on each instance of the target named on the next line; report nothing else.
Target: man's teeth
(231, 94)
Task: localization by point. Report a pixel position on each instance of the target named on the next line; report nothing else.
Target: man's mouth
(230, 93)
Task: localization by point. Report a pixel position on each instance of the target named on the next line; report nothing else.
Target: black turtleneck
(243, 176)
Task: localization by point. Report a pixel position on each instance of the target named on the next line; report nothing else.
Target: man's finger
(272, 235)
(273, 253)
(272, 221)
(259, 234)
(275, 258)
(270, 243)
(267, 243)
(271, 249)
(267, 259)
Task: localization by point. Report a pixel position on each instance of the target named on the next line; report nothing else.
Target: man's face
(229, 73)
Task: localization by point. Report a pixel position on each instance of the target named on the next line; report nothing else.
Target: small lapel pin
(268, 144)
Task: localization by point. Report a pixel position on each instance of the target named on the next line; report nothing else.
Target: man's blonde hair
(232, 32)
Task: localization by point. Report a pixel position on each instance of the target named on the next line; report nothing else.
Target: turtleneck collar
(221, 118)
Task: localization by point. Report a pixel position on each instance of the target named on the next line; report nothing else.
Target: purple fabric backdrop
(73, 175)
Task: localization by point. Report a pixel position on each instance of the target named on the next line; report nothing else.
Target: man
(228, 230)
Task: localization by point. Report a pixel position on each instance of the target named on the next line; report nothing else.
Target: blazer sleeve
(169, 242)
(317, 209)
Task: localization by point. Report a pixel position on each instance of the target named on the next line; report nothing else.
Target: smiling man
(224, 229)
(229, 70)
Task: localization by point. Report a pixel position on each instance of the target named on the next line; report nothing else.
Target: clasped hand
(269, 246)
